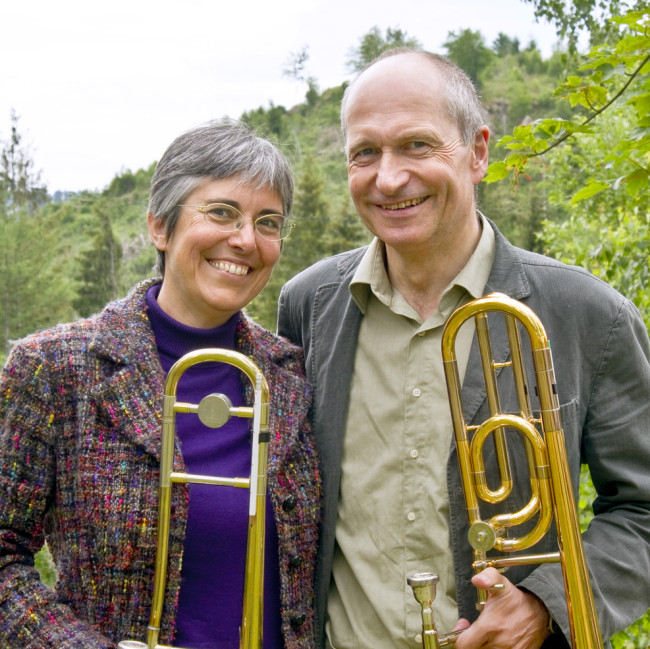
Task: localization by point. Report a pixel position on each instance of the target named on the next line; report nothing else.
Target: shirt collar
(371, 276)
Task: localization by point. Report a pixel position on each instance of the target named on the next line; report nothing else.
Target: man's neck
(422, 276)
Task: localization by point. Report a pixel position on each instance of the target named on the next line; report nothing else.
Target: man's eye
(415, 146)
(364, 155)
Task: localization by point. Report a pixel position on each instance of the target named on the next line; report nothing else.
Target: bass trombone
(550, 482)
(214, 411)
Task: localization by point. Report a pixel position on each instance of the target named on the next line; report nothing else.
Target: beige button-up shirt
(393, 513)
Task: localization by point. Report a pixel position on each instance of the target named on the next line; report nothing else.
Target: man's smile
(408, 203)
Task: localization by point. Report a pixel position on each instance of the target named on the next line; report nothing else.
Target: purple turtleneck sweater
(210, 602)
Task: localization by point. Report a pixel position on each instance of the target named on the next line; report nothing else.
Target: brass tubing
(251, 630)
(551, 492)
(492, 392)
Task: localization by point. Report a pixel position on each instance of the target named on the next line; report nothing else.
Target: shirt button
(416, 392)
(414, 453)
(421, 333)
(411, 516)
(418, 638)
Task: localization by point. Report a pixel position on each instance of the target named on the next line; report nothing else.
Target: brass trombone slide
(214, 411)
(550, 482)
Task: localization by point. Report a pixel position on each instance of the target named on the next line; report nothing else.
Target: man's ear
(157, 231)
(480, 153)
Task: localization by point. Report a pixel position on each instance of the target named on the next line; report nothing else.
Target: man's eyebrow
(420, 134)
(360, 143)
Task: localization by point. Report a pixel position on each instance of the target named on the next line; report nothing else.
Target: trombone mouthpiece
(424, 586)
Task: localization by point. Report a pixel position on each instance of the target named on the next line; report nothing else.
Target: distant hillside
(78, 274)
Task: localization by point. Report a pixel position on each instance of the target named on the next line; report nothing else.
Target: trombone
(550, 482)
(214, 410)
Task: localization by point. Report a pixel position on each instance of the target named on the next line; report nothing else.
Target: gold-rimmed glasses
(226, 218)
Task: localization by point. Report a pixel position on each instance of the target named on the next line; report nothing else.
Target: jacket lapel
(506, 276)
(271, 355)
(131, 394)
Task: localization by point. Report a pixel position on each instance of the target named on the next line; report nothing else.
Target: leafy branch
(609, 74)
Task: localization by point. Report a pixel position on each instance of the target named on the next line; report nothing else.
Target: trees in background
(99, 266)
(30, 295)
(373, 44)
(579, 151)
(468, 50)
(594, 162)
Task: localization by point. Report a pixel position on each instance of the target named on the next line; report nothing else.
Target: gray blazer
(601, 356)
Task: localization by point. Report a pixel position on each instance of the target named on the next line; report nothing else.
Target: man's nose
(392, 174)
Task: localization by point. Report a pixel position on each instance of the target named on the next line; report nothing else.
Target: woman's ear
(157, 231)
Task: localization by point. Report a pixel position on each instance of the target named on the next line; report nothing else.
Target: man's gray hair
(461, 99)
(216, 150)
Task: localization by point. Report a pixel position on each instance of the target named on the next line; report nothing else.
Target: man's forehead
(390, 84)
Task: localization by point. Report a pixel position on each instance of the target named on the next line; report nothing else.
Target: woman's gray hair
(461, 99)
(214, 151)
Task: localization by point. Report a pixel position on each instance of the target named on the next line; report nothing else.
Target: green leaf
(592, 188)
(496, 171)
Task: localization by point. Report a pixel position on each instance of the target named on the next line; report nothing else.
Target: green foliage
(560, 210)
(636, 636)
(373, 44)
(468, 50)
(614, 78)
(504, 45)
(30, 292)
(21, 189)
(99, 266)
(608, 232)
(45, 565)
(590, 16)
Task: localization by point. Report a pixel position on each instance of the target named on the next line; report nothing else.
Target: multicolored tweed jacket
(80, 420)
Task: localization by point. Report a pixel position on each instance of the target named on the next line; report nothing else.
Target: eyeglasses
(226, 218)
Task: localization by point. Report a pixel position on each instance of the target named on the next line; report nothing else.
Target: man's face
(410, 175)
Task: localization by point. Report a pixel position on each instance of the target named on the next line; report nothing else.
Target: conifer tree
(24, 240)
(99, 266)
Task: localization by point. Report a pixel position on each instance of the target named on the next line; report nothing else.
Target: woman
(80, 420)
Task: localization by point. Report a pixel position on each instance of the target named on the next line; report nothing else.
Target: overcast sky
(101, 87)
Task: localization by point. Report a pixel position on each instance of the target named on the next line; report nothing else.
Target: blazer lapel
(506, 276)
(131, 394)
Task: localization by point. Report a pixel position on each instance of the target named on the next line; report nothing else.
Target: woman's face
(209, 274)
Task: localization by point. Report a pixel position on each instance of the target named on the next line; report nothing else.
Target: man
(370, 321)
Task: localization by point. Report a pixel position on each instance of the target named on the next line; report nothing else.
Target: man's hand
(511, 618)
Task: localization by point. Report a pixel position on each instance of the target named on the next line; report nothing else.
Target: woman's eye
(222, 213)
(269, 223)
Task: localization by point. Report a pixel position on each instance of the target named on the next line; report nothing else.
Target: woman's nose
(244, 236)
